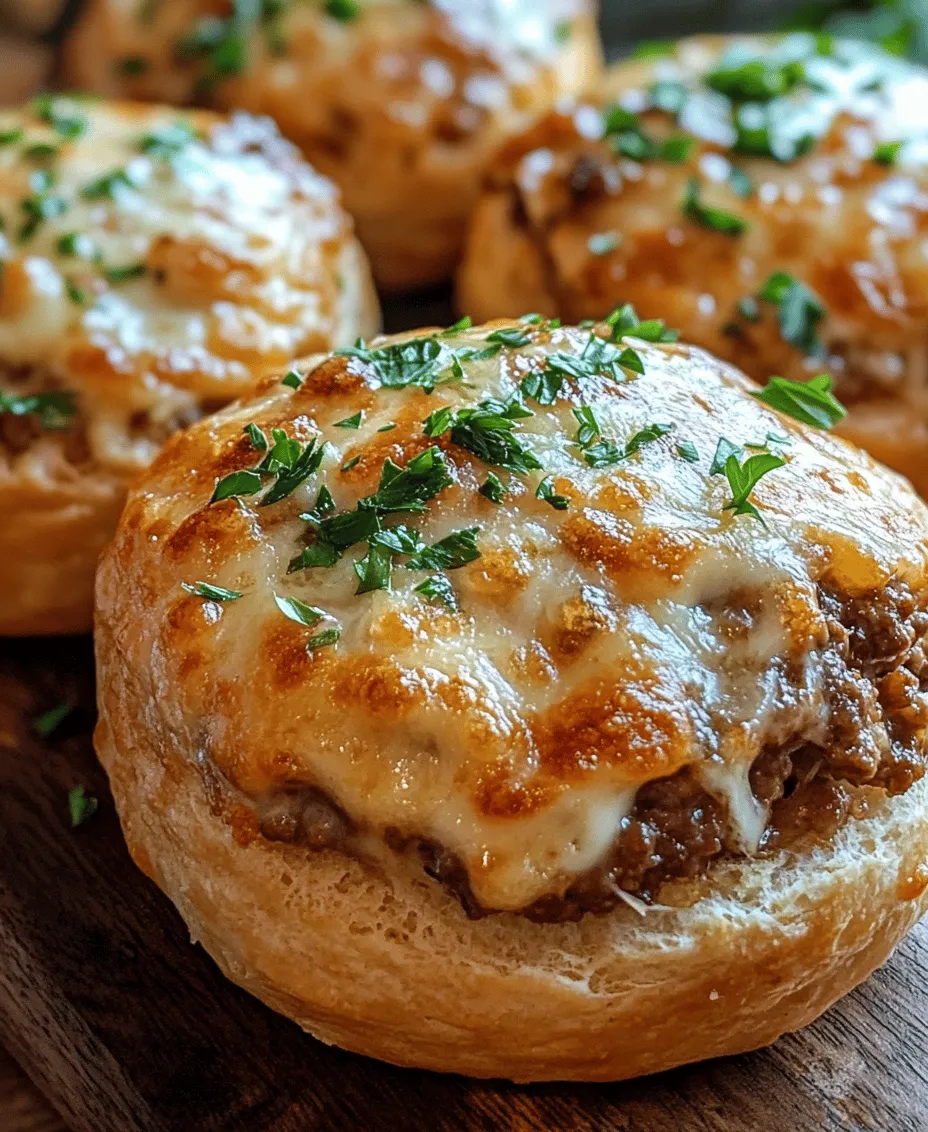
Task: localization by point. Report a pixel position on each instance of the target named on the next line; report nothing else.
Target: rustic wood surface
(126, 1027)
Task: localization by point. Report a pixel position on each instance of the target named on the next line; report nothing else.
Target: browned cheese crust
(154, 267)
(523, 777)
(400, 102)
(570, 224)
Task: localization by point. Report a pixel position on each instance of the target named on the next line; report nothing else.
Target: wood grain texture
(129, 1028)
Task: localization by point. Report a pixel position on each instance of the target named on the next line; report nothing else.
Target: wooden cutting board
(127, 1027)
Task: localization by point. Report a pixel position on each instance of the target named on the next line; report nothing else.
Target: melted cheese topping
(600, 228)
(176, 259)
(595, 649)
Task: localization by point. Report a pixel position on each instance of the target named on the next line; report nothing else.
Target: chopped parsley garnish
(74, 292)
(653, 48)
(463, 323)
(124, 273)
(168, 141)
(715, 218)
(210, 592)
(811, 402)
(800, 310)
(389, 427)
(81, 806)
(131, 65)
(493, 488)
(769, 131)
(39, 208)
(625, 322)
(450, 553)
(723, 450)
(599, 357)
(546, 492)
(488, 431)
(743, 478)
(438, 588)
(49, 721)
(108, 185)
(293, 379)
(11, 137)
(256, 436)
(351, 422)
(419, 361)
(344, 10)
(409, 488)
(56, 113)
(886, 153)
(299, 611)
(323, 639)
(509, 336)
(688, 451)
(54, 409)
(287, 461)
(352, 463)
(77, 244)
(627, 135)
(41, 151)
(677, 148)
(563, 30)
(754, 80)
(607, 452)
(589, 429)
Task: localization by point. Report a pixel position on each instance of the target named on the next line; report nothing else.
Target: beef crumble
(876, 688)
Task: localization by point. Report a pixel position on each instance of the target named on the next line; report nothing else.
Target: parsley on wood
(81, 806)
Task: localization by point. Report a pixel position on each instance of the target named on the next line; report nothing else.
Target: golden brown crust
(390, 966)
(149, 276)
(568, 226)
(401, 105)
(637, 651)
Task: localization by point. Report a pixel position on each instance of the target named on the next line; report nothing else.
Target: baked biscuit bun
(155, 265)
(400, 102)
(573, 222)
(473, 743)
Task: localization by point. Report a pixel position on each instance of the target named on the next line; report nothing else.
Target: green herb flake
(299, 611)
(293, 380)
(743, 478)
(323, 639)
(12, 136)
(81, 806)
(210, 592)
(688, 451)
(800, 310)
(54, 409)
(546, 492)
(124, 273)
(493, 488)
(811, 402)
(236, 483)
(438, 588)
(343, 10)
(723, 450)
(75, 293)
(256, 436)
(450, 553)
(169, 140)
(77, 244)
(49, 721)
(509, 336)
(109, 185)
(590, 429)
(389, 427)
(464, 323)
(887, 153)
(677, 148)
(351, 422)
(715, 218)
(131, 65)
(488, 431)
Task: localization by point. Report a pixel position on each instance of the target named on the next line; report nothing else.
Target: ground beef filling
(876, 678)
